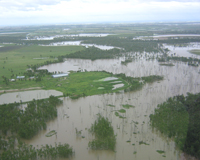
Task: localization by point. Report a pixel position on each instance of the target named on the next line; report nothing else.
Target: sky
(36, 12)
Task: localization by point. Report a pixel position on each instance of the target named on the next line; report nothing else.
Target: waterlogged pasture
(187, 50)
(78, 43)
(128, 112)
(68, 35)
(85, 83)
(80, 114)
(25, 96)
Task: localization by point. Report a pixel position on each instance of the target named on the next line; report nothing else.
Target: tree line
(26, 123)
(179, 118)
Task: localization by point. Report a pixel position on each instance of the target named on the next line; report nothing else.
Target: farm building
(60, 75)
(20, 77)
(12, 80)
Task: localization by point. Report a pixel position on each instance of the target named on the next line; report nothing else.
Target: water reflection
(184, 51)
(81, 114)
(26, 96)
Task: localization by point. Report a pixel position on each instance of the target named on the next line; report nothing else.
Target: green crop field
(14, 59)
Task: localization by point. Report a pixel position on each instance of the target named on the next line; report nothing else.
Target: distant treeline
(94, 53)
(126, 43)
(178, 117)
(184, 40)
(191, 61)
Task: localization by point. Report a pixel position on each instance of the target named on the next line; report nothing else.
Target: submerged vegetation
(104, 135)
(179, 118)
(171, 118)
(127, 106)
(190, 61)
(14, 148)
(26, 124)
(51, 133)
(21, 54)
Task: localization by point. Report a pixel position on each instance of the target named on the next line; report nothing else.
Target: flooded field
(184, 50)
(26, 96)
(135, 137)
(77, 43)
(68, 35)
(167, 36)
(149, 54)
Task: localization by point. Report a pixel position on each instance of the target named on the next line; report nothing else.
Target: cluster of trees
(26, 123)
(126, 61)
(152, 78)
(135, 82)
(171, 118)
(180, 41)
(104, 134)
(178, 117)
(5, 80)
(13, 148)
(128, 44)
(191, 61)
(94, 53)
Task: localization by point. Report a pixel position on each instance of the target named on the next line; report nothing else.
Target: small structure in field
(60, 75)
(12, 80)
(20, 77)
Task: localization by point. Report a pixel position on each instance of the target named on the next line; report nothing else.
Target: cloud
(66, 11)
(26, 5)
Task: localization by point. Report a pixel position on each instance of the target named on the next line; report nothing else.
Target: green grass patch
(160, 151)
(14, 59)
(122, 111)
(101, 88)
(117, 114)
(127, 106)
(142, 142)
(81, 84)
(166, 64)
(195, 51)
(111, 105)
(152, 78)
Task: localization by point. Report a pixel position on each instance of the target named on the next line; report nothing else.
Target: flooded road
(144, 141)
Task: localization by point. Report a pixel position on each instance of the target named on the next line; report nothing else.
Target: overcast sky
(28, 12)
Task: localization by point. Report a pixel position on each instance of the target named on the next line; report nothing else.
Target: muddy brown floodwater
(81, 113)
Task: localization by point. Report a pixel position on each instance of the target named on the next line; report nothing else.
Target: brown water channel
(81, 113)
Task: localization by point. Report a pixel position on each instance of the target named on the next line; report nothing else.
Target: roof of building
(60, 75)
(19, 77)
